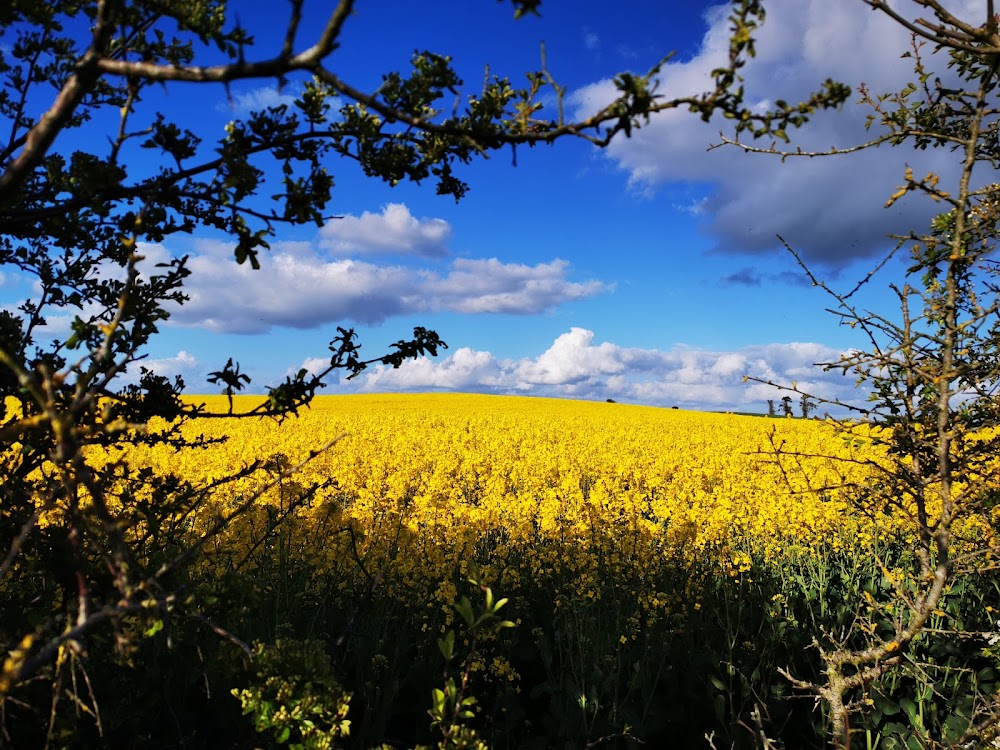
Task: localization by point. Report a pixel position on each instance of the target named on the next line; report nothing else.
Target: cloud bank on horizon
(574, 366)
(577, 367)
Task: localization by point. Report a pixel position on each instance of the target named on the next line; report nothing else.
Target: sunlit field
(660, 565)
(440, 481)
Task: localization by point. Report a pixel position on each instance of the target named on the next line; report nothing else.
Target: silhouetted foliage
(95, 556)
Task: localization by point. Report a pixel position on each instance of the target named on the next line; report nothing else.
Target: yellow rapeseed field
(423, 485)
(624, 536)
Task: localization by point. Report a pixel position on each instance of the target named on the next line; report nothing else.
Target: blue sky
(649, 272)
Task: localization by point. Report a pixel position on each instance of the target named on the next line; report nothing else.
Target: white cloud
(183, 363)
(312, 365)
(299, 288)
(242, 103)
(591, 40)
(490, 286)
(830, 209)
(466, 369)
(571, 360)
(575, 366)
(395, 230)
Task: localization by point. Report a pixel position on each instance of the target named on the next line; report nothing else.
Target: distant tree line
(806, 406)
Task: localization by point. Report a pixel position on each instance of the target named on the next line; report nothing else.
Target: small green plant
(451, 705)
(295, 696)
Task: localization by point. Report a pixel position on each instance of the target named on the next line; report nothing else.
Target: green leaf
(464, 608)
(447, 645)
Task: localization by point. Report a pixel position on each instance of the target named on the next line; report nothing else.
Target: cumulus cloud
(490, 286)
(829, 209)
(300, 288)
(395, 230)
(183, 363)
(578, 367)
(571, 362)
(312, 365)
(466, 369)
